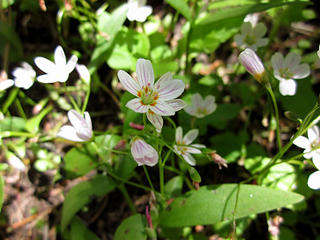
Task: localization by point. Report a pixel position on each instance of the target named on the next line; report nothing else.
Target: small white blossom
(83, 73)
(15, 162)
(288, 68)
(252, 18)
(154, 99)
(138, 11)
(249, 59)
(4, 81)
(318, 52)
(201, 107)
(24, 76)
(57, 71)
(251, 37)
(143, 153)
(80, 129)
(184, 147)
(311, 147)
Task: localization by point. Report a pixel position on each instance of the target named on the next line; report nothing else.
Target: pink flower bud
(249, 59)
(143, 153)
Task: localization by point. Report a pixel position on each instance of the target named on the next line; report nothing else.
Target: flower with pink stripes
(155, 99)
(249, 59)
(143, 153)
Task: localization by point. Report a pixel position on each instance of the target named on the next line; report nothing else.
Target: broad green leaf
(131, 228)
(173, 187)
(223, 114)
(12, 124)
(81, 194)
(242, 11)
(182, 7)
(109, 26)
(106, 143)
(79, 231)
(79, 161)
(6, 3)
(161, 68)
(216, 203)
(1, 192)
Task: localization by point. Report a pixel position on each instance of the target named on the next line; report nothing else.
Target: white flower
(138, 11)
(201, 107)
(249, 59)
(288, 68)
(24, 76)
(83, 73)
(143, 153)
(251, 37)
(80, 129)
(15, 162)
(318, 52)
(154, 99)
(57, 71)
(252, 18)
(184, 147)
(310, 143)
(4, 81)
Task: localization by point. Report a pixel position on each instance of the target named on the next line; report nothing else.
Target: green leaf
(106, 143)
(182, 7)
(108, 25)
(79, 231)
(8, 35)
(131, 228)
(1, 192)
(6, 3)
(79, 161)
(242, 11)
(173, 187)
(223, 114)
(33, 123)
(194, 175)
(12, 124)
(81, 194)
(216, 203)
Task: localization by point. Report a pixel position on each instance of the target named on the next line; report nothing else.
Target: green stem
(10, 99)
(124, 192)
(20, 108)
(73, 102)
(86, 100)
(5, 134)
(148, 177)
(161, 175)
(276, 112)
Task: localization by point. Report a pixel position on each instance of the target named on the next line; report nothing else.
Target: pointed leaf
(131, 228)
(182, 7)
(216, 203)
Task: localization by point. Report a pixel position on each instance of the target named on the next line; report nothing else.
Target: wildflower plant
(142, 154)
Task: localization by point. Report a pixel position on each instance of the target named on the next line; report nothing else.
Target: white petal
(136, 105)
(83, 72)
(25, 83)
(313, 133)
(190, 136)
(192, 150)
(246, 28)
(302, 142)
(316, 159)
(15, 162)
(164, 79)
(128, 83)
(277, 61)
(156, 120)
(68, 132)
(314, 180)
(45, 65)
(196, 145)
(47, 78)
(292, 60)
(288, 87)
(301, 71)
(88, 120)
(262, 42)
(59, 57)
(145, 73)
(143, 13)
(71, 63)
(6, 84)
(209, 104)
(190, 110)
(189, 159)
(197, 101)
(76, 119)
(260, 30)
(239, 40)
(179, 133)
(176, 104)
(171, 89)
(162, 109)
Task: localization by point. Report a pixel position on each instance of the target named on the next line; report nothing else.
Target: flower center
(285, 73)
(148, 96)
(202, 111)
(250, 40)
(315, 144)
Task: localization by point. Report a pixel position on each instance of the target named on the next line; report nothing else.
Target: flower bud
(249, 59)
(143, 153)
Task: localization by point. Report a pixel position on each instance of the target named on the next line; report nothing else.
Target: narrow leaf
(1, 192)
(216, 203)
